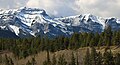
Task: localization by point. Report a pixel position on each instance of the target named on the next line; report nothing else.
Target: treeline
(92, 57)
(101, 58)
(24, 47)
(61, 60)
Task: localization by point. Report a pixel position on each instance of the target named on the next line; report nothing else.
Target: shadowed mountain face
(26, 22)
(7, 34)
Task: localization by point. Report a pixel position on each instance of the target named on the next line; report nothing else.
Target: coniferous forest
(24, 47)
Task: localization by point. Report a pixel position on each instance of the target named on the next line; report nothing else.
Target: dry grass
(40, 57)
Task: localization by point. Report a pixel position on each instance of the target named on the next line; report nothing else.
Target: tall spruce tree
(99, 59)
(93, 56)
(72, 59)
(87, 59)
(108, 58)
(77, 60)
(117, 59)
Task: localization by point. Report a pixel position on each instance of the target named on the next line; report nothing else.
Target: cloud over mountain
(105, 8)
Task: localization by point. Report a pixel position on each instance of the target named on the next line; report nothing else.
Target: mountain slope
(26, 22)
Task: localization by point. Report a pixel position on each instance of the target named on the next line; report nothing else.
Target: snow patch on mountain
(33, 21)
(15, 29)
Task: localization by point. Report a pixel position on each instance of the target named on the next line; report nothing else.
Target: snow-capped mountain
(25, 22)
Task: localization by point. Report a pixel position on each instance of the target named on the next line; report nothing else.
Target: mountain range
(32, 22)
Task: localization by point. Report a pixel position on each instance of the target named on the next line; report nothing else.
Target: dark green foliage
(108, 58)
(93, 56)
(117, 59)
(99, 59)
(1, 58)
(74, 41)
(23, 47)
(108, 36)
(48, 56)
(30, 46)
(72, 60)
(77, 61)
(87, 59)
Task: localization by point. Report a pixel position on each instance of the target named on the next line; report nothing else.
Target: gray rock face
(26, 22)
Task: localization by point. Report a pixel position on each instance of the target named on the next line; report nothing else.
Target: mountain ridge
(26, 22)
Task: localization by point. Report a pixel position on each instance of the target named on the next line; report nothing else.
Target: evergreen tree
(108, 36)
(88, 39)
(72, 60)
(99, 59)
(48, 56)
(77, 60)
(100, 42)
(87, 60)
(1, 58)
(92, 42)
(93, 56)
(108, 58)
(117, 59)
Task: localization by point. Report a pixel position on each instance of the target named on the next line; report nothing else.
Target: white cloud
(105, 8)
(6, 4)
(55, 7)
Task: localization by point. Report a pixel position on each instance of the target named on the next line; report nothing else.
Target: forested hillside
(21, 48)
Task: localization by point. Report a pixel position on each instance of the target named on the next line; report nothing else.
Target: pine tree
(93, 56)
(108, 35)
(92, 42)
(87, 60)
(99, 59)
(100, 42)
(1, 58)
(88, 39)
(77, 60)
(48, 56)
(108, 58)
(72, 60)
(117, 59)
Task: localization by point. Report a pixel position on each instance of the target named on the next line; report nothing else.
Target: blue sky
(103, 8)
